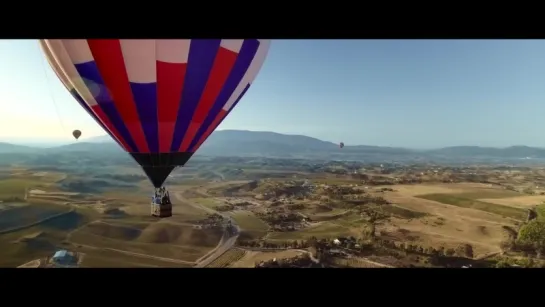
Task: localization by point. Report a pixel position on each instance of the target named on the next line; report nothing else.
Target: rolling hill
(259, 144)
(271, 144)
(12, 148)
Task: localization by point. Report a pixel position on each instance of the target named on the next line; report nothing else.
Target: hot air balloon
(158, 99)
(76, 133)
(341, 145)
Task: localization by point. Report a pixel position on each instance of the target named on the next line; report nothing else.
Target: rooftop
(60, 254)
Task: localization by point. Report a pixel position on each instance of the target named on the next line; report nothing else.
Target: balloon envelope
(158, 99)
(76, 134)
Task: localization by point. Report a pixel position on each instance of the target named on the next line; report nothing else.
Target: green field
(27, 215)
(464, 202)
(19, 181)
(324, 230)
(15, 188)
(401, 212)
(488, 193)
(252, 227)
(207, 202)
(186, 213)
(325, 216)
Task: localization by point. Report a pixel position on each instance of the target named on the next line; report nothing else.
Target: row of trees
(354, 245)
(264, 244)
(463, 250)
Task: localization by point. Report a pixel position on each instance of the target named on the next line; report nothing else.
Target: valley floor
(336, 220)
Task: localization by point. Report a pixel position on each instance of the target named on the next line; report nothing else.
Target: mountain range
(271, 144)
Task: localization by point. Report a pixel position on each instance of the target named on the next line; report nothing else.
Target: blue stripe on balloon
(145, 99)
(244, 59)
(202, 54)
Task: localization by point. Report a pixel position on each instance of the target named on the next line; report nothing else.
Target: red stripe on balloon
(170, 81)
(108, 57)
(215, 123)
(223, 63)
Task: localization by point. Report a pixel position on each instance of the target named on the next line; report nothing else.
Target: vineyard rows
(354, 263)
(226, 259)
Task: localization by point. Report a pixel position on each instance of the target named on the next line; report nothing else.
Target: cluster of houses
(211, 221)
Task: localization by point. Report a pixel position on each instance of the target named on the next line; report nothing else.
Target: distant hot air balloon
(341, 145)
(158, 99)
(76, 134)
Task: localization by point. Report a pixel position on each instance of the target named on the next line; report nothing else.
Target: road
(220, 250)
(312, 258)
(135, 254)
(227, 241)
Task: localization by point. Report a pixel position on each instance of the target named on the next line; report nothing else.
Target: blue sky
(411, 93)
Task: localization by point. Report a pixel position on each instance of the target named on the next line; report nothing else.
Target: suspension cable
(50, 90)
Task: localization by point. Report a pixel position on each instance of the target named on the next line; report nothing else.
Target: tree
(312, 242)
(502, 264)
(540, 249)
(313, 251)
(532, 233)
(372, 230)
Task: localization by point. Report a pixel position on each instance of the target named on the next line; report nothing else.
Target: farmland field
(323, 230)
(27, 214)
(464, 202)
(160, 240)
(228, 258)
(252, 227)
(405, 211)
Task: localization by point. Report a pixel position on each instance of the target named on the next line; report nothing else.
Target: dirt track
(137, 254)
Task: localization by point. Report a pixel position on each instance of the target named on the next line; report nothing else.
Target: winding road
(226, 242)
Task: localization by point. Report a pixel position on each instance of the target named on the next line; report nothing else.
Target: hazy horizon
(36, 142)
(401, 93)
